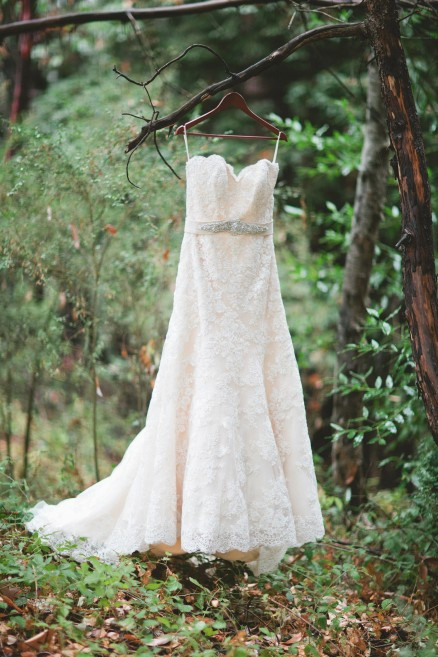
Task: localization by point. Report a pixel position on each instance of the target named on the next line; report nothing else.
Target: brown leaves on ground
(352, 618)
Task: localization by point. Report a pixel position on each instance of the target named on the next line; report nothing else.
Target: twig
(155, 112)
(302, 618)
(183, 54)
(406, 237)
(138, 34)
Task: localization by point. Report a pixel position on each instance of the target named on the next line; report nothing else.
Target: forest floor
(364, 590)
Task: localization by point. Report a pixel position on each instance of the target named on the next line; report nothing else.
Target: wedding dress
(223, 464)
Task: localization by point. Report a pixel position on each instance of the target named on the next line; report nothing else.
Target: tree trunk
(20, 98)
(409, 165)
(29, 417)
(94, 420)
(8, 421)
(368, 210)
(22, 80)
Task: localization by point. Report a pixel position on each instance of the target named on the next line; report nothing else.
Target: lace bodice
(215, 193)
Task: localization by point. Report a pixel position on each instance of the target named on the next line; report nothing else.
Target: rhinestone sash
(233, 226)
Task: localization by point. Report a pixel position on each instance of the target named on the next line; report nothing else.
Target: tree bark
(20, 98)
(22, 80)
(409, 164)
(368, 211)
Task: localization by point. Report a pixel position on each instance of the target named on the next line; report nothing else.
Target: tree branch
(335, 4)
(123, 16)
(273, 59)
(126, 16)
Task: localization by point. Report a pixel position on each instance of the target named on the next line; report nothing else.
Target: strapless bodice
(239, 203)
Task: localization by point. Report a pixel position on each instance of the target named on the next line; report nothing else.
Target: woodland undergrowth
(365, 589)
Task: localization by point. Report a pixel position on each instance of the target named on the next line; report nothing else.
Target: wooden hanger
(232, 99)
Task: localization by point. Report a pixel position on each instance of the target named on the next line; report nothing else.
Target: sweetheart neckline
(230, 166)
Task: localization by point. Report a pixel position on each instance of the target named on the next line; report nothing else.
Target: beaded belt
(234, 226)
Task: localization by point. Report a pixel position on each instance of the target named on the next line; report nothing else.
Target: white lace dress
(224, 463)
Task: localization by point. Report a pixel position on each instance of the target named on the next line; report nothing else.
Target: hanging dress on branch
(224, 463)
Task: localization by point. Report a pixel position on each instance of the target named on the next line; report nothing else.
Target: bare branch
(127, 16)
(273, 59)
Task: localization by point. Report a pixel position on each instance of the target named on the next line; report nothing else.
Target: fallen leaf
(11, 603)
(241, 635)
(293, 639)
(132, 638)
(11, 591)
(39, 638)
(160, 640)
(113, 635)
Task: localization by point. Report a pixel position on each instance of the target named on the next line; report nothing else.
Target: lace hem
(81, 548)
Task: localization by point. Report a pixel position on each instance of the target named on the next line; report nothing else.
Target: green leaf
(337, 427)
(390, 426)
(219, 624)
(239, 652)
(358, 439)
(294, 211)
(264, 630)
(321, 621)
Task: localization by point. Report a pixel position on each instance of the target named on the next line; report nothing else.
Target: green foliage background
(88, 262)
